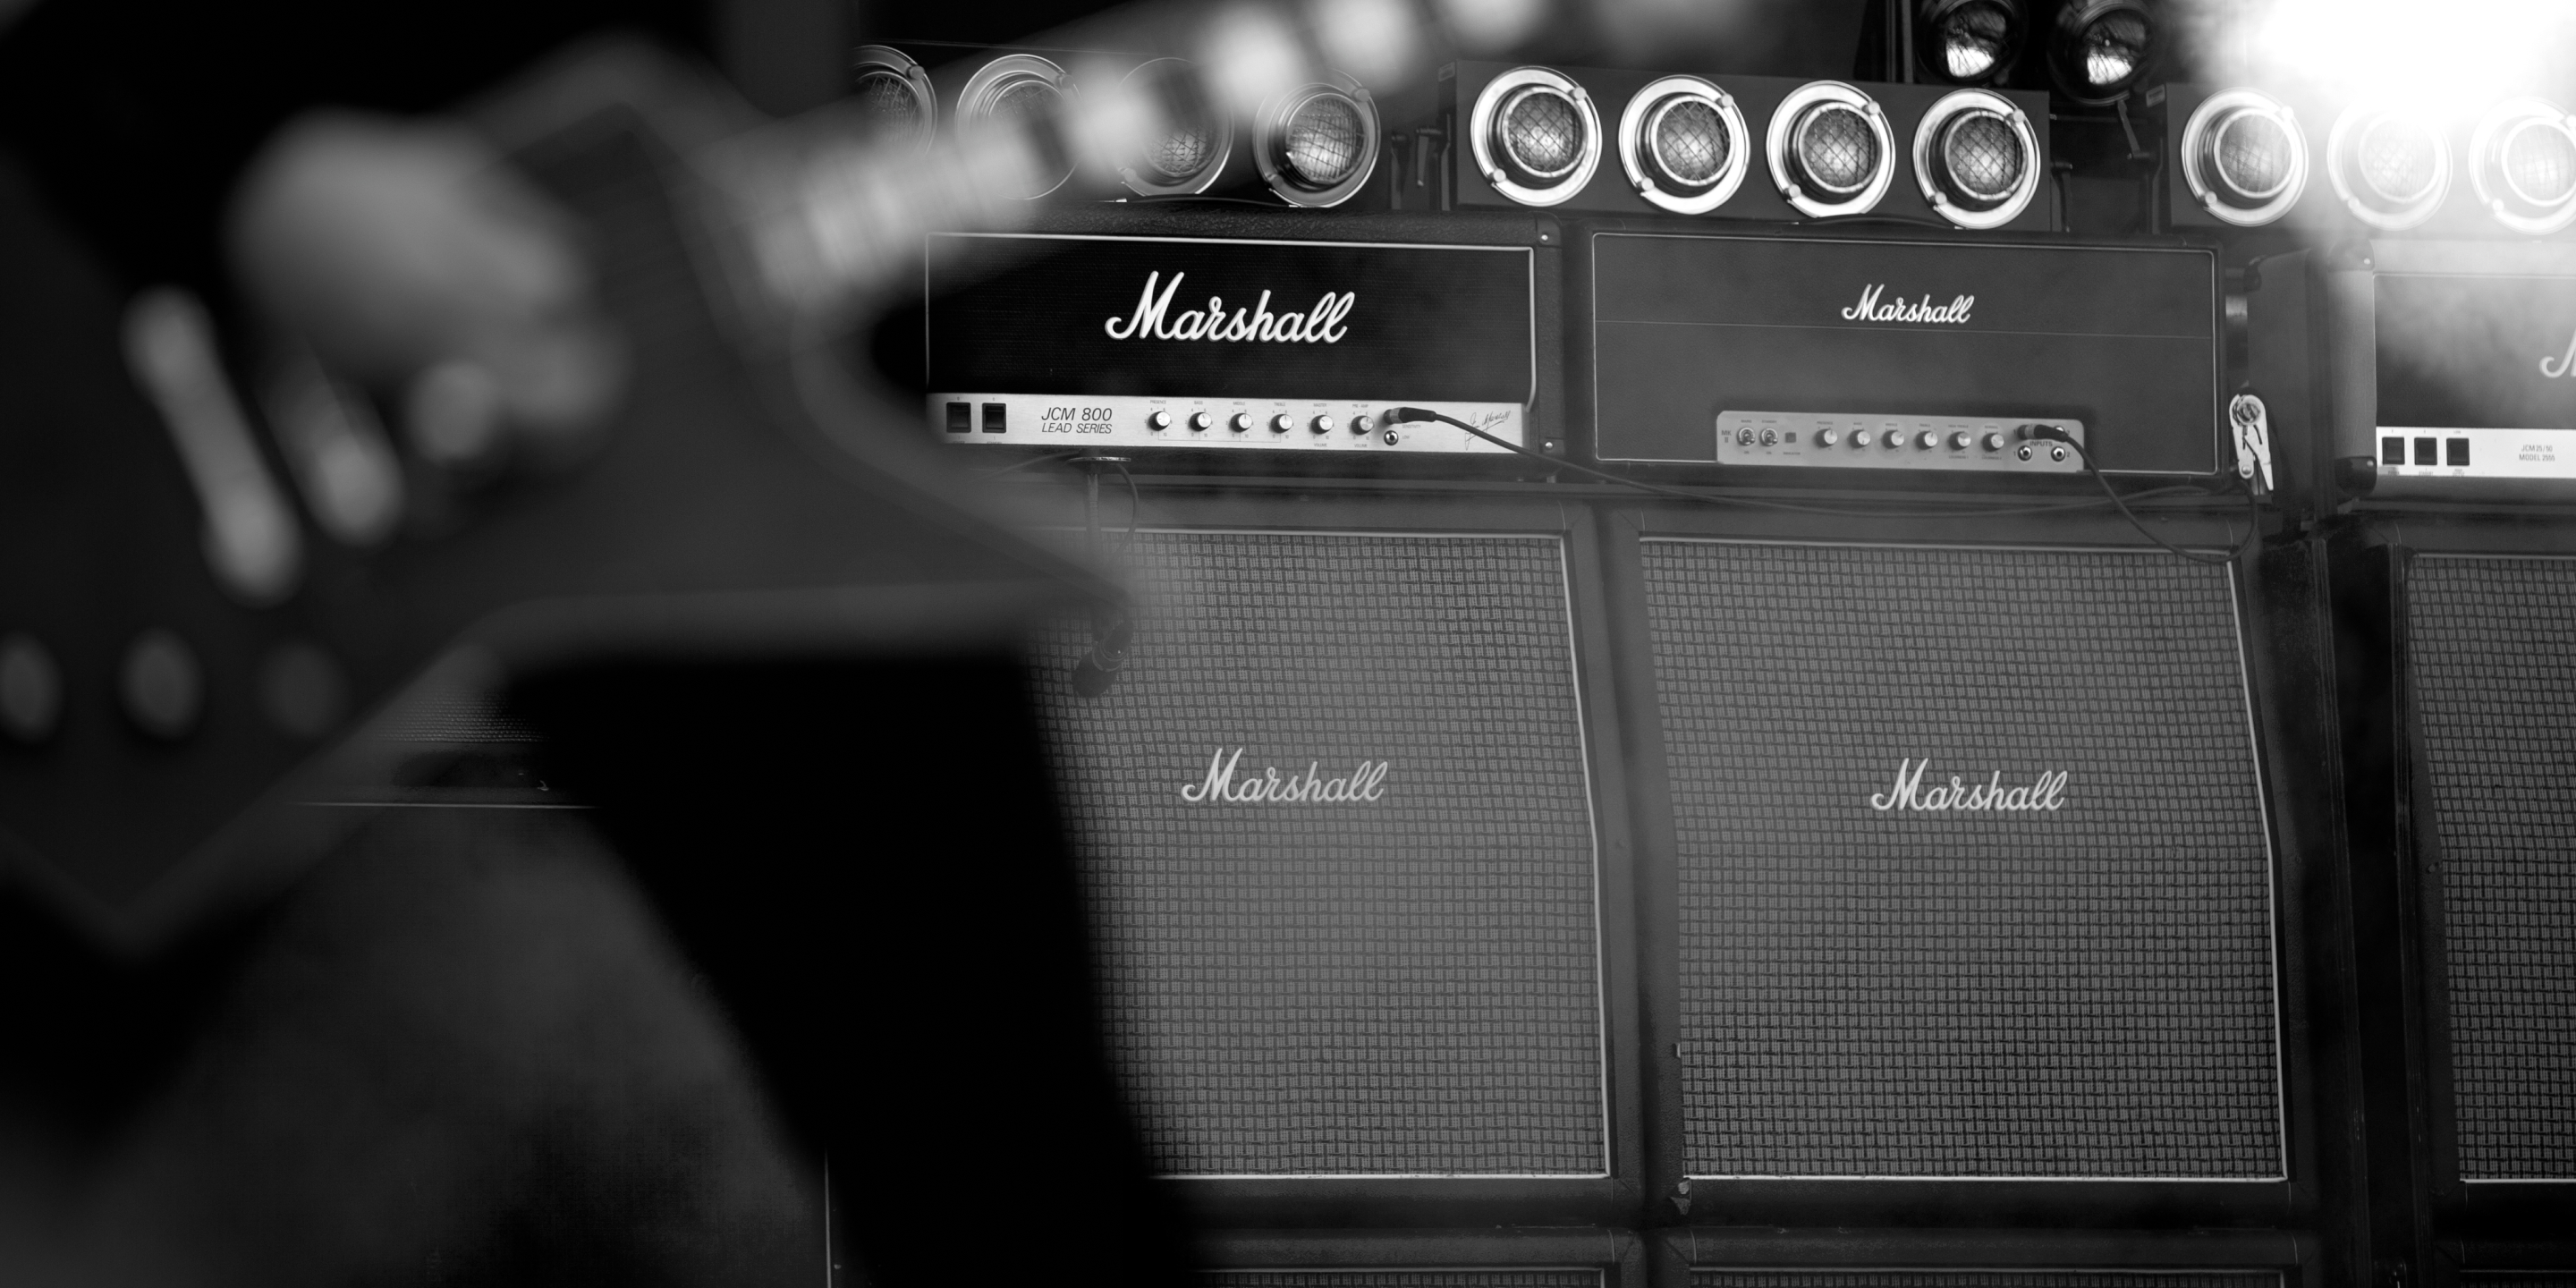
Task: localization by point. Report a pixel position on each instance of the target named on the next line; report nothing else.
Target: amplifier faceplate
(1983, 1279)
(2048, 954)
(2495, 698)
(1062, 340)
(1336, 818)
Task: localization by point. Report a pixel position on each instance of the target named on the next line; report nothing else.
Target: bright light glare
(2453, 56)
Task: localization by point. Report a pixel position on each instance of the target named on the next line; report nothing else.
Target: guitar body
(775, 663)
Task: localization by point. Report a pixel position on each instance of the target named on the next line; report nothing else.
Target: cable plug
(1412, 415)
(2049, 433)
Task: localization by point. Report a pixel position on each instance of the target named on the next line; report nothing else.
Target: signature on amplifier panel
(2048, 793)
(1367, 782)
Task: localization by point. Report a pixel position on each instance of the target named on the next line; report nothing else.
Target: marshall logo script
(2049, 793)
(1899, 310)
(1365, 783)
(2558, 370)
(1152, 320)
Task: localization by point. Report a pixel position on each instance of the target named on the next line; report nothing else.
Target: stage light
(1976, 158)
(1318, 142)
(2390, 167)
(2101, 49)
(892, 95)
(1023, 91)
(1189, 139)
(1968, 42)
(2244, 158)
(1684, 144)
(1535, 136)
(2522, 165)
(1830, 150)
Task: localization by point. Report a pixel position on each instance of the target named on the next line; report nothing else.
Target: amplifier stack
(1703, 670)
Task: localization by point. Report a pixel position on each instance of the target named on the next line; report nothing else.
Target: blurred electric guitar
(189, 685)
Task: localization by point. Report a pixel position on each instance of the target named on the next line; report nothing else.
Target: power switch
(2424, 452)
(961, 418)
(2455, 452)
(2392, 451)
(997, 418)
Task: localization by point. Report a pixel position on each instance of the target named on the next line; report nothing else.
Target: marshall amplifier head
(2441, 370)
(1140, 337)
(1607, 142)
(1783, 358)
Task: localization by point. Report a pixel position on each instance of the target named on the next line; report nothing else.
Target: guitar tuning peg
(161, 684)
(252, 542)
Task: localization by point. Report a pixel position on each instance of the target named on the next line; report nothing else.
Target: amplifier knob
(1929, 440)
(1995, 442)
(1828, 437)
(1959, 441)
(1201, 420)
(1895, 439)
(1322, 425)
(1770, 438)
(1360, 424)
(1159, 420)
(1280, 423)
(1860, 438)
(1242, 421)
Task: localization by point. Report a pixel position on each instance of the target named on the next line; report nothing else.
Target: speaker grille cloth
(2083, 992)
(1402, 1279)
(2495, 695)
(1403, 985)
(1976, 1279)
(2521, 1279)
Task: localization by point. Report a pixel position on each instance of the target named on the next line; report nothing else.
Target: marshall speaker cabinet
(1340, 811)
(2453, 660)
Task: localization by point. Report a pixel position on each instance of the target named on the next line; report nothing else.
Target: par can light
(1023, 91)
(892, 95)
(1535, 135)
(1830, 150)
(1317, 143)
(2522, 165)
(1968, 42)
(1684, 144)
(2244, 158)
(2390, 168)
(1191, 138)
(1976, 158)
(2102, 49)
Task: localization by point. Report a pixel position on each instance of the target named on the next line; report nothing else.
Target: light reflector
(1830, 150)
(1969, 42)
(892, 95)
(1318, 142)
(2389, 167)
(2102, 48)
(2244, 158)
(1976, 158)
(2522, 165)
(1684, 144)
(1191, 137)
(1026, 92)
(1535, 135)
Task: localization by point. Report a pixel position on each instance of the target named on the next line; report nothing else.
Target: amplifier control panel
(1225, 424)
(2476, 463)
(1854, 440)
